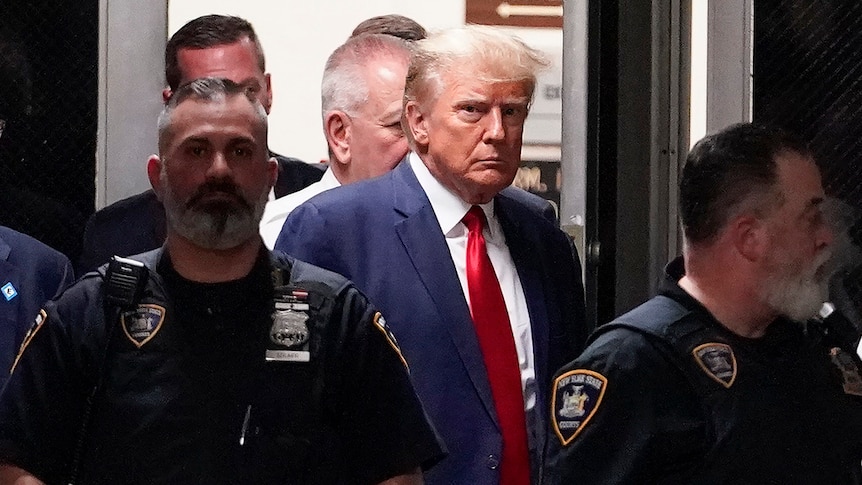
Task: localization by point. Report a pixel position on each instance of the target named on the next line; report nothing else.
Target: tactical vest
(763, 411)
(286, 437)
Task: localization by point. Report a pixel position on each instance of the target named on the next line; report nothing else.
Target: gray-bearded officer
(715, 380)
(220, 362)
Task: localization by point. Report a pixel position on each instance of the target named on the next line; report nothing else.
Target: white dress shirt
(276, 211)
(450, 209)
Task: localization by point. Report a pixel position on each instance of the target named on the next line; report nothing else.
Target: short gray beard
(798, 295)
(214, 229)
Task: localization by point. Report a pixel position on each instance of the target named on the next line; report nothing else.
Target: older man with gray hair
(480, 287)
(361, 93)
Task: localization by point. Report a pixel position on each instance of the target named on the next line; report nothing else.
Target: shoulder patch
(850, 376)
(576, 398)
(143, 323)
(718, 361)
(41, 318)
(380, 324)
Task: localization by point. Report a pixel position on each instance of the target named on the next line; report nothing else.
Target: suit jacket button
(493, 462)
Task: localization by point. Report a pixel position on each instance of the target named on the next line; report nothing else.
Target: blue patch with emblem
(143, 323)
(9, 291)
(577, 396)
(718, 361)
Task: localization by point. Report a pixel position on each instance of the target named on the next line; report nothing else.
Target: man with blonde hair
(480, 287)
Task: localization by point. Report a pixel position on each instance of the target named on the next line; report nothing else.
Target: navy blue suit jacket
(383, 235)
(30, 274)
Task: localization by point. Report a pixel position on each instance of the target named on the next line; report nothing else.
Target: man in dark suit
(30, 274)
(212, 45)
(481, 289)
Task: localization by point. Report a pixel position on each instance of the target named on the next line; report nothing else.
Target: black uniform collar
(669, 287)
(228, 296)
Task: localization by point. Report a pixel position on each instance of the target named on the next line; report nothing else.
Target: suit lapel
(417, 227)
(5, 249)
(526, 254)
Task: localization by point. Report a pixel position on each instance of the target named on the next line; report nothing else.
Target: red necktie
(491, 322)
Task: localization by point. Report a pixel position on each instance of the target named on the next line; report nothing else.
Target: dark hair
(204, 32)
(392, 24)
(206, 89)
(733, 167)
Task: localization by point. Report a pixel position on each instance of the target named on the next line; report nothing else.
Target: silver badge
(289, 334)
(289, 328)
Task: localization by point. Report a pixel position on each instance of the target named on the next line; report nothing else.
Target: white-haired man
(480, 287)
(361, 95)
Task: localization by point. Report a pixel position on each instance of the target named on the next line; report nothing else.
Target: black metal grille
(48, 99)
(808, 78)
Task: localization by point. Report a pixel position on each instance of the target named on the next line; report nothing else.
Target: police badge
(289, 335)
(143, 323)
(718, 361)
(577, 396)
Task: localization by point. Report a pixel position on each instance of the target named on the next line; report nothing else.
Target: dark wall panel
(48, 70)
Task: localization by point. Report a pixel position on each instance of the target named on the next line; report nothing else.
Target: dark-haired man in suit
(208, 46)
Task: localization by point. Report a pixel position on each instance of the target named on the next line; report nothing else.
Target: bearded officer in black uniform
(220, 362)
(715, 380)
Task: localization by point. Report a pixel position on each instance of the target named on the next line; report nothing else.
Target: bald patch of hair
(344, 87)
(209, 89)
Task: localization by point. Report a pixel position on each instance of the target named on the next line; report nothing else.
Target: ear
(749, 236)
(416, 123)
(154, 173)
(166, 95)
(268, 105)
(337, 128)
(272, 171)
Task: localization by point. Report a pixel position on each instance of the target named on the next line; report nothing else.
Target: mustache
(217, 187)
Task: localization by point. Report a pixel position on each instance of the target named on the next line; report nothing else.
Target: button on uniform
(493, 462)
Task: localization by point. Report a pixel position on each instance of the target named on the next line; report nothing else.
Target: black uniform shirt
(189, 396)
(665, 394)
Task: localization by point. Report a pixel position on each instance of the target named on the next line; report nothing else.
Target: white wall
(297, 37)
(131, 77)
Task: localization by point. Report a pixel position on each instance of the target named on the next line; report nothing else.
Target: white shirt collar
(448, 207)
